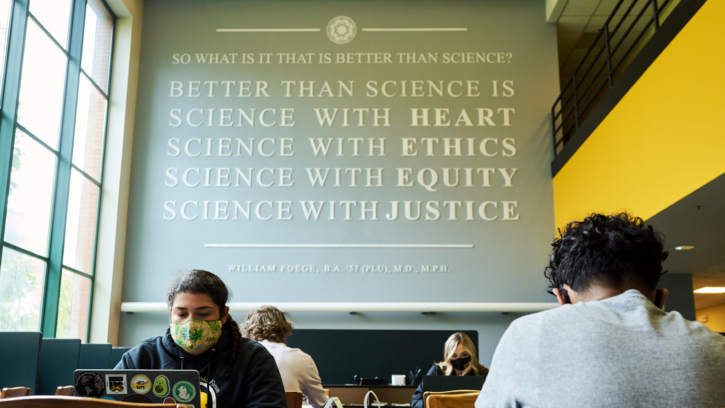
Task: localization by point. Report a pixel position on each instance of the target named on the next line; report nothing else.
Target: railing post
(609, 55)
(576, 104)
(655, 15)
(553, 127)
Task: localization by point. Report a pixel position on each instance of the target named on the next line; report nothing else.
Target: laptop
(439, 383)
(140, 386)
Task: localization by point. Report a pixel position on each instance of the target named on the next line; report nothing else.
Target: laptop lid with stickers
(140, 386)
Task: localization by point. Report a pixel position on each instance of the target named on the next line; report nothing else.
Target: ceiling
(581, 20)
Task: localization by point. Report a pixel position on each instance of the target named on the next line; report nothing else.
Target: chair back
(59, 358)
(68, 391)
(95, 356)
(45, 401)
(14, 392)
(116, 355)
(21, 351)
(451, 399)
(294, 399)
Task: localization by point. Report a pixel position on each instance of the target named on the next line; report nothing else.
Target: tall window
(55, 85)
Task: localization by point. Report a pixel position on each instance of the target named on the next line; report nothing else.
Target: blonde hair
(450, 348)
(267, 323)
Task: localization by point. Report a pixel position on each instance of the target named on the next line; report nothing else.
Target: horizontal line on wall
(414, 29)
(267, 30)
(361, 307)
(338, 245)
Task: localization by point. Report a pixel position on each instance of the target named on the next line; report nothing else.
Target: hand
(660, 297)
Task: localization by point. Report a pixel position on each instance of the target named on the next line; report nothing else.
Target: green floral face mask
(196, 336)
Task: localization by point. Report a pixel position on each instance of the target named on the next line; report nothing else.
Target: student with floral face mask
(235, 371)
(459, 359)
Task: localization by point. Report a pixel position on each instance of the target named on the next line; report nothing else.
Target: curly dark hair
(617, 251)
(267, 323)
(202, 282)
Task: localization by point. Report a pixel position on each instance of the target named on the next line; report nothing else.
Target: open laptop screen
(439, 383)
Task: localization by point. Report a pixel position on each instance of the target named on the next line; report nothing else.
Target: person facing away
(610, 344)
(269, 326)
(459, 358)
(202, 336)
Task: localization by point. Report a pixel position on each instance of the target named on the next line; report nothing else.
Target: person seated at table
(611, 343)
(459, 358)
(234, 371)
(269, 326)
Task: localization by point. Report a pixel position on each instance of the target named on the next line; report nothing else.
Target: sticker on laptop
(116, 384)
(183, 391)
(141, 384)
(161, 386)
(89, 384)
(169, 400)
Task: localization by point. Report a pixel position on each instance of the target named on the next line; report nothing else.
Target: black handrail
(578, 103)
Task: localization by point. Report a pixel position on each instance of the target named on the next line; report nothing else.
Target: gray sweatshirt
(618, 352)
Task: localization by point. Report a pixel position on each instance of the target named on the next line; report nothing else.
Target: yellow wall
(715, 317)
(663, 140)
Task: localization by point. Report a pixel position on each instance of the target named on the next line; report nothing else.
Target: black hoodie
(254, 383)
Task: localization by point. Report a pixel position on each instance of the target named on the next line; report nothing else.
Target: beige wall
(117, 170)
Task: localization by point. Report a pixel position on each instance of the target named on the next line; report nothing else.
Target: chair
(116, 355)
(294, 399)
(327, 392)
(450, 399)
(45, 401)
(20, 360)
(14, 392)
(95, 356)
(58, 359)
(68, 391)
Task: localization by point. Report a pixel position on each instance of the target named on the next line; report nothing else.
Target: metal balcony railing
(610, 53)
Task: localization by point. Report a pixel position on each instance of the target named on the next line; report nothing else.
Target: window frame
(11, 82)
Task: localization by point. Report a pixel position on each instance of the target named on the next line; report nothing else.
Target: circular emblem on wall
(341, 30)
(183, 391)
(90, 384)
(141, 384)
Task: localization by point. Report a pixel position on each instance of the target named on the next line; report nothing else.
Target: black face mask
(461, 363)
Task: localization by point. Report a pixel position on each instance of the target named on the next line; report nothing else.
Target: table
(354, 395)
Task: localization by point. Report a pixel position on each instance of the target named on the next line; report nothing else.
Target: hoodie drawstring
(208, 367)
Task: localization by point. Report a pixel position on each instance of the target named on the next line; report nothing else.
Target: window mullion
(95, 85)
(86, 175)
(50, 36)
(60, 208)
(13, 68)
(24, 251)
(36, 138)
(77, 272)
